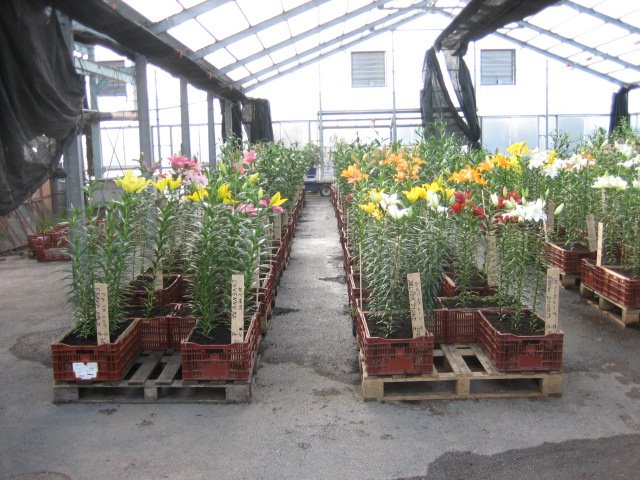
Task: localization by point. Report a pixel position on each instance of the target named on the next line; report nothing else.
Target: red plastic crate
(458, 325)
(163, 333)
(516, 353)
(50, 254)
(222, 362)
(170, 294)
(448, 287)
(568, 261)
(609, 283)
(386, 356)
(111, 360)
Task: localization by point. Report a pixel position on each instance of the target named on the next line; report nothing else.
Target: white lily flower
(433, 200)
(389, 200)
(397, 213)
(610, 181)
(495, 201)
(538, 158)
(625, 149)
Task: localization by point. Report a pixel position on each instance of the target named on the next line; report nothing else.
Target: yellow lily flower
(375, 195)
(131, 183)
(415, 194)
(518, 149)
(198, 195)
(167, 183)
(276, 200)
(253, 178)
(224, 194)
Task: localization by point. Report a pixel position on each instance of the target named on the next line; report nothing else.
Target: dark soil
(528, 324)
(220, 335)
(73, 338)
(477, 278)
(574, 247)
(140, 283)
(468, 302)
(173, 309)
(402, 323)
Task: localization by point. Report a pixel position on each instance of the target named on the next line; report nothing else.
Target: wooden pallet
(155, 377)
(460, 372)
(618, 313)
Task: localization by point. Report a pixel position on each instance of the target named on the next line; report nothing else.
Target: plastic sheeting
(40, 99)
(256, 116)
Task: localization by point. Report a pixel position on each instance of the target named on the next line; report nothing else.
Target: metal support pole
(73, 161)
(211, 131)
(96, 139)
(144, 121)
(184, 118)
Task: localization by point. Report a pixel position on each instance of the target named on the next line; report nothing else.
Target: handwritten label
(277, 227)
(101, 292)
(492, 262)
(285, 217)
(553, 300)
(591, 233)
(415, 304)
(237, 308)
(600, 244)
(85, 371)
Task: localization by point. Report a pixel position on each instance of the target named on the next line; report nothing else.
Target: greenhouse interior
(353, 239)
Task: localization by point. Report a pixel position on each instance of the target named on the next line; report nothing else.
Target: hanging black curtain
(236, 120)
(256, 116)
(40, 99)
(477, 19)
(620, 107)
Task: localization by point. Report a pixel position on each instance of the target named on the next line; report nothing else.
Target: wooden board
(621, 315)
(460, 372)
(155, 377)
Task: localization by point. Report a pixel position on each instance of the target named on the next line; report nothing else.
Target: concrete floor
(307, 419)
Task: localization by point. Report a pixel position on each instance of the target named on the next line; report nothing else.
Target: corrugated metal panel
(367, 69)
(497, 67)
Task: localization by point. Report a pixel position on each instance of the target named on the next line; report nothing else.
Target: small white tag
(85, 371)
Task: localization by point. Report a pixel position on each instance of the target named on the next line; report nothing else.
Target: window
(498, 67)
(367, 69)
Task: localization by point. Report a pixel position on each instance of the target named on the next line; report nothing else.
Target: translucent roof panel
(253, 41)
(224, 21)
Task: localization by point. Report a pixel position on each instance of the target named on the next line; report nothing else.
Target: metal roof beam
(605, 18)
(256, 28)
(89, 67)
(369, 27)
(553, 56)
(174, 20)
(581, 46)
(303, 35)
(129, 28)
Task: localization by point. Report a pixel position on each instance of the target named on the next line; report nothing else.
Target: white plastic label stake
(600, 244)
(237, 308)
(551, 209)
(492, 262)
(101, 292)
(553, 296)
(158, 282)
(85, 371)
(591, 233)
(415, 304)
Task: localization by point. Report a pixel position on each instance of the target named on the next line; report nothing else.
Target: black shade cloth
(236, 120)
(620, 107)
(256, 116)
(482, 17)
(40, 99)
(477, 19)
(436, 106)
